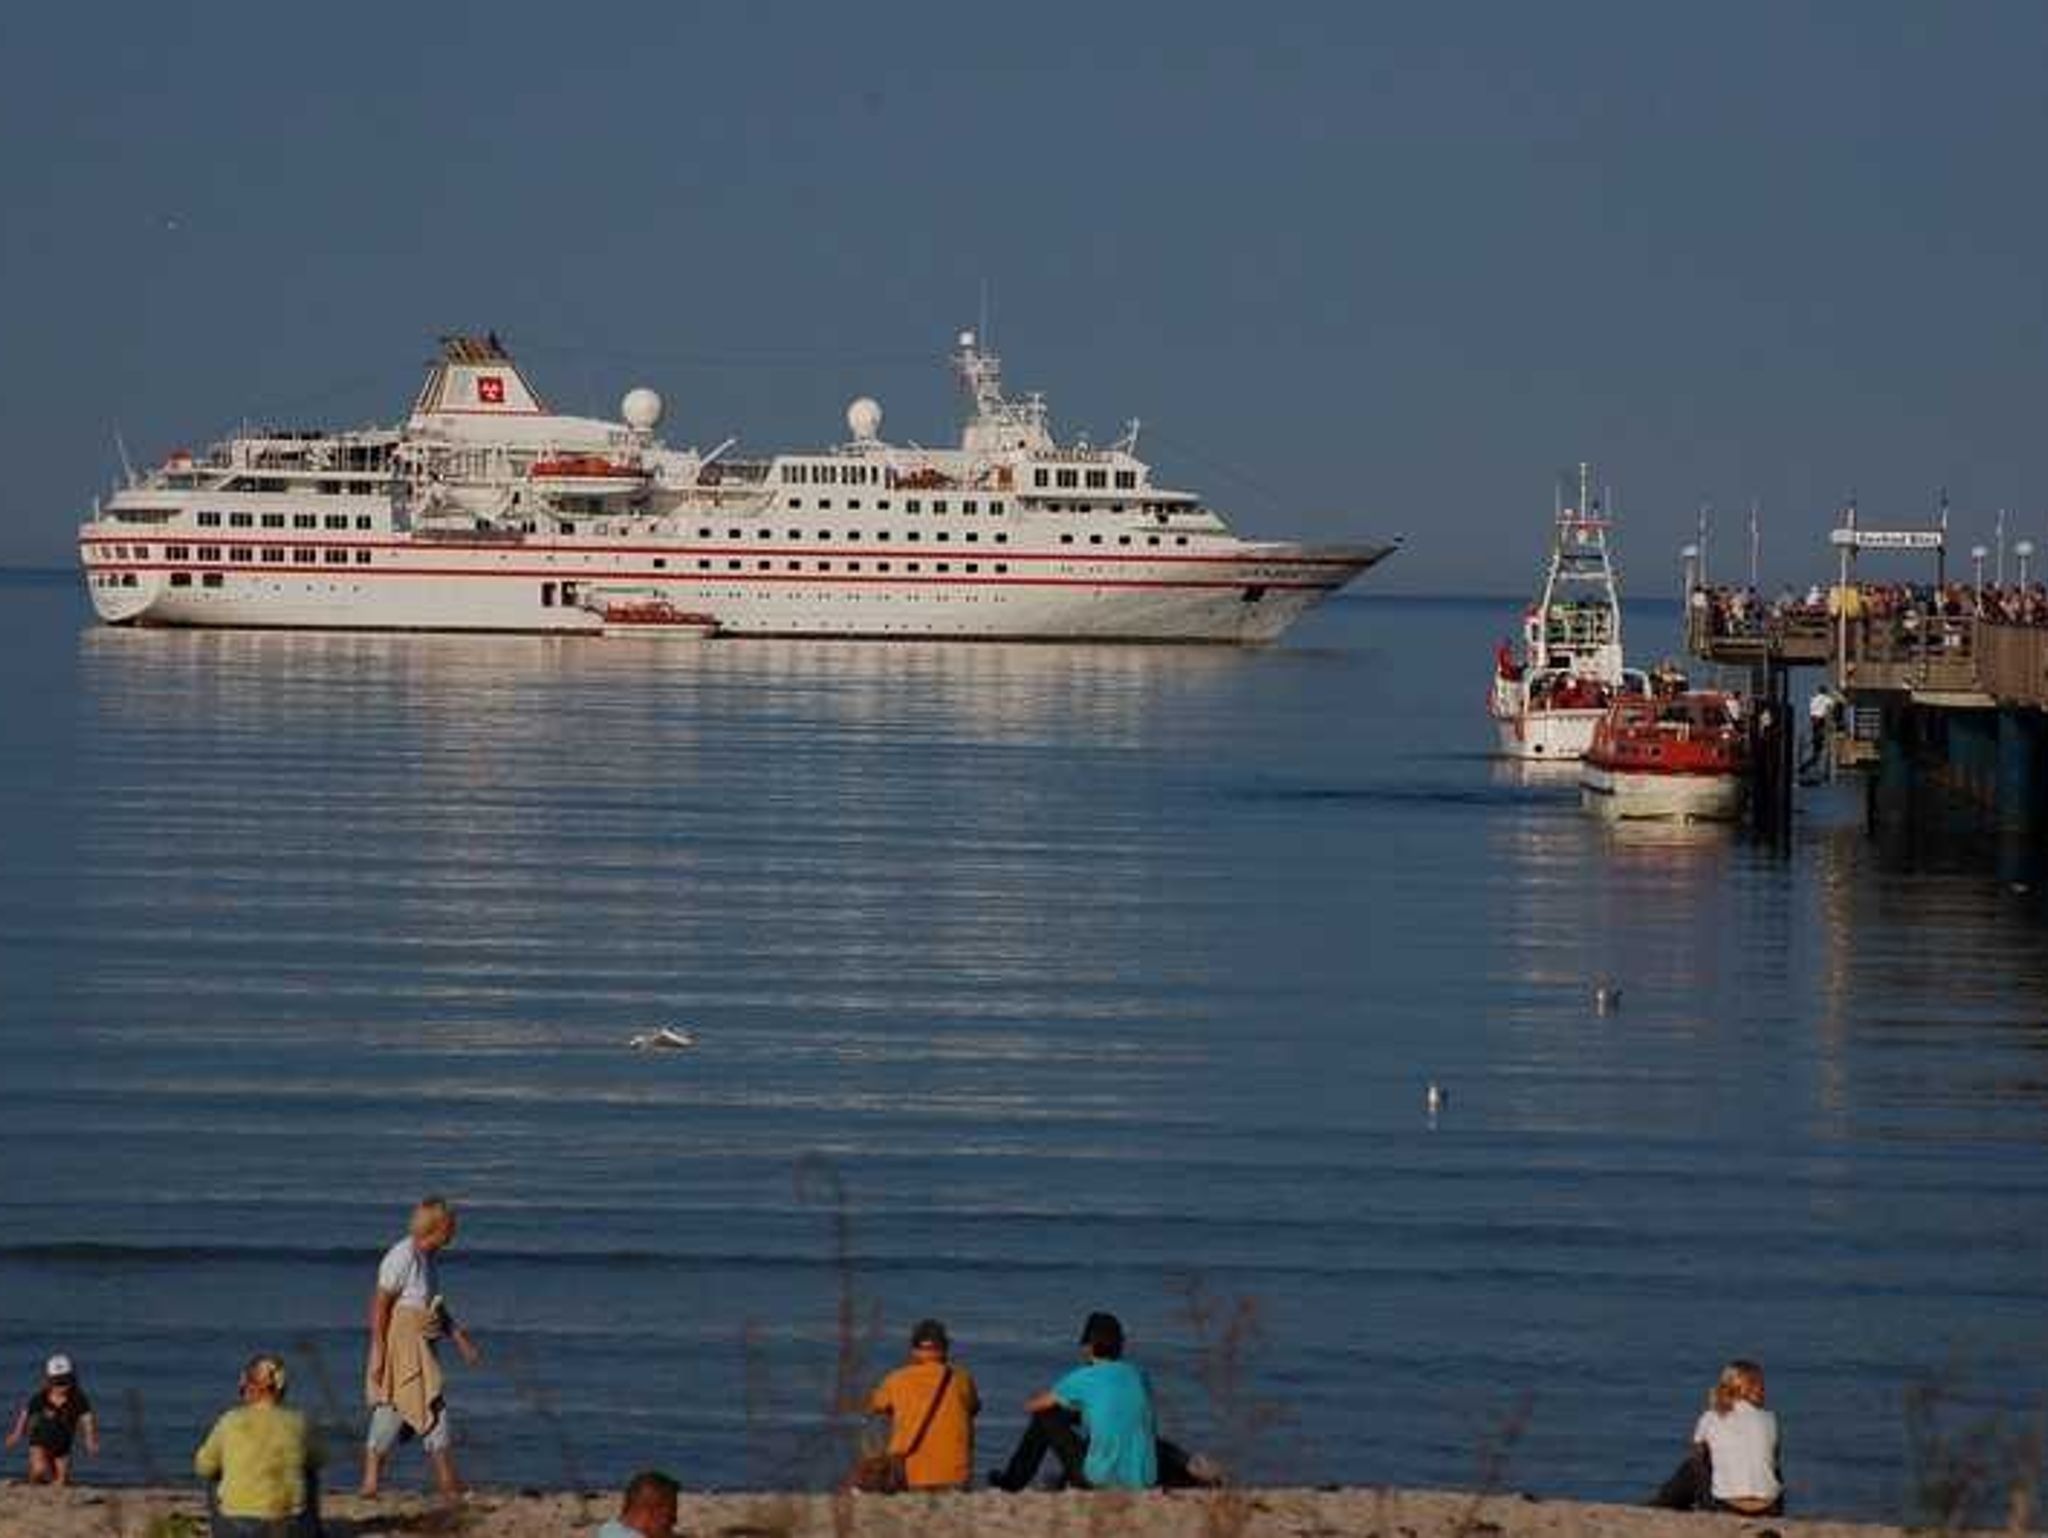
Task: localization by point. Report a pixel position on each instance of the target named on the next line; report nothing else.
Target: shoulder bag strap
(931, 1413)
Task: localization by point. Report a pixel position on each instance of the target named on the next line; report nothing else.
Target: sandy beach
(1355, 1513)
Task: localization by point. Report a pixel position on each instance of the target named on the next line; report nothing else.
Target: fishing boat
(1680, 757)
(1548, 699)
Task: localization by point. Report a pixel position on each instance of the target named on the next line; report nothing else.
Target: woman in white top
(1733, 1465)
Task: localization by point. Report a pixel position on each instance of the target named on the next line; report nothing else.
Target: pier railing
(1915, 650)
(2012, 663)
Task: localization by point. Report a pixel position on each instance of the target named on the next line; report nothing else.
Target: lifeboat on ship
(1681, 757)
(585, 475)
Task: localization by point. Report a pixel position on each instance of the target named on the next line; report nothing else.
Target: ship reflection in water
(1089, 970)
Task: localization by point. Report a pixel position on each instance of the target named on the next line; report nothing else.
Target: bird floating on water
(1606, 998)
(1434, 1099)
(663, 1038)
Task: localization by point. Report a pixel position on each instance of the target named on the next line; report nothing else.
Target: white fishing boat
(1549, 697)
(488, 510)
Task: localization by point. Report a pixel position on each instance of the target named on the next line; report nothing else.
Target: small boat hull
(1630, 794)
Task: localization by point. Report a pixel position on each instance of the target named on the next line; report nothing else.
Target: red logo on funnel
(490, 389)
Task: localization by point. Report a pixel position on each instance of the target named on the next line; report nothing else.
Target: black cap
(930, 1332)
(1104, 1335)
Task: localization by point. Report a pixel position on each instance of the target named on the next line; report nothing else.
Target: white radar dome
(864, 417)
(641, 408)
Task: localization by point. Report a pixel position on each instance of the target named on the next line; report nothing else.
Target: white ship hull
(1664, 797)
(433, 585)
(1551, 735)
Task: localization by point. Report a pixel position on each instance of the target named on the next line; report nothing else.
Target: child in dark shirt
(54, 1417)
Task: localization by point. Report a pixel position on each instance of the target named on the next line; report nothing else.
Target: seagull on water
(663, 1038)
(1606, 998)
(1434, 1099)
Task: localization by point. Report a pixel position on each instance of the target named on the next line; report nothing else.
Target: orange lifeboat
(585, 475)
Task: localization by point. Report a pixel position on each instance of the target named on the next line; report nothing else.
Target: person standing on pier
(403, 1382)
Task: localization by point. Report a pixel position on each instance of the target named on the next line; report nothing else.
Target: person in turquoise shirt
(1098, 1420)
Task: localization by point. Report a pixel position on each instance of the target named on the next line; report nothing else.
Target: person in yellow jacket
(262, 1461)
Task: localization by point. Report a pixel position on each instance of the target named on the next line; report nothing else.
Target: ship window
(176, 552)
(1123, 539)
(209, 520)
(1002, 566)
(562, 526)
(239, 520)
(305, 521)
(764, 565)
(181, 579)
(241, 553)
(1002, 539)
(942, 536)
(274, 555)
(273, 520)
(703, 566)
(337, 520)
(914, 566)
(1066, 539)
(1069, 478)
(796, 533)
(362, 520)
(939, 505)
(732, 533)
(972, 537)
(211, 579)
(854, 503)
(913, 505)
(973, 566)
(853, 533)
(141, 552)
(881, 566)
(1151, 539)
(1094, 539)
(1181, 539)
(882, 506)
(796, 565)
(128, 579)
(547, 595)
(795, 502)
(764, 533)
(305, 557)
(362, 558)
(853, 566)
(824, 501)
(209, 552)
(1127, 480)
(732, 565)
(824, 565)
(1038, 477)
(995, 507)
(945, 566)
(1098, 479)
(337, 557)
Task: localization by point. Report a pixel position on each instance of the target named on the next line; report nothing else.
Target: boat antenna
(121, 448)
(987, 336)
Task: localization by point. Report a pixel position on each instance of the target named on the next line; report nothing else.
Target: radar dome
(864, 417)
(641, 408)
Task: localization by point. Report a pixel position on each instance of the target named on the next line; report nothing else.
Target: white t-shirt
(408, 1274)
(1744, 1447)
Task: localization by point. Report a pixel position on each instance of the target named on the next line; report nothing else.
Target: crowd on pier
(1096, 1422)
(1743, 611)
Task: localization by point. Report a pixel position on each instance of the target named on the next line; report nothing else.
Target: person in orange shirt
(931, 1403)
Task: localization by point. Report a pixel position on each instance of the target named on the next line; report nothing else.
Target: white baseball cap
(58, 1366)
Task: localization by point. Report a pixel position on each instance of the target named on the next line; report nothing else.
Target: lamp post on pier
(2025, 551)
(1977, 555)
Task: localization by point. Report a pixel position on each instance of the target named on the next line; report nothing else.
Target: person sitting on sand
(1733, 1465)
(52, 1419)
(403, 1383)
(648, 1509)
(1097, 1420)
(263, 1462)
(931, 1403)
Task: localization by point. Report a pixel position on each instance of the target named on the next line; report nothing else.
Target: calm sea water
(1089, 977)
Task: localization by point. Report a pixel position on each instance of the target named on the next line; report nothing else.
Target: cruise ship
(488, 511)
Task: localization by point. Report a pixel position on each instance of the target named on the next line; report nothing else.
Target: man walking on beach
(403, 1382)
(648, 1509)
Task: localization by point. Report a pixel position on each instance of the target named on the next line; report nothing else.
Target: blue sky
(1360, 268)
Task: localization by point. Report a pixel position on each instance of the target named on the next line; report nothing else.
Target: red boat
(1678, 756)
(655, 616)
